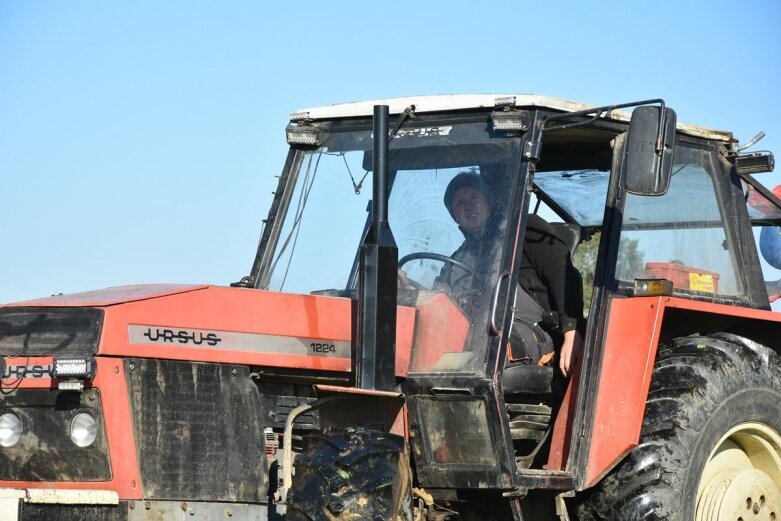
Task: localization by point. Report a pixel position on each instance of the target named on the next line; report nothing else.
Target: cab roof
(454, 102)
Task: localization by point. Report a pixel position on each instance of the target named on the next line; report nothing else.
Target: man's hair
(463, 180)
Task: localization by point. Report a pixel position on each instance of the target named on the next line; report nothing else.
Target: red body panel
(219, 309)
(631, 339)
(111, 296)
(562, 426)
(110, 379)
(441, 327)
(274, 318)
(32, 380)
(630, 349)
(110, 382)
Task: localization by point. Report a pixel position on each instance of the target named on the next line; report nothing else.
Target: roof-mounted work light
(304, 135)
(755, 163)
(513, 120)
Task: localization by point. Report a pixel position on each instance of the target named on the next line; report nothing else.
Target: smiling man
(549, 285)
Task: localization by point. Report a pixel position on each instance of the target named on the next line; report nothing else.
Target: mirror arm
(660, 132)
(597, 112)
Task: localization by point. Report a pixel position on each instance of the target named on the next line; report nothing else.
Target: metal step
(531, 479)
(529, 408)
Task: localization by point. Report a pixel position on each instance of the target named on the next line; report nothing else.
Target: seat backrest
(570, 233)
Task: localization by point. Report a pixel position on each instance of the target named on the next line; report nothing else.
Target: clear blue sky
(139, 140)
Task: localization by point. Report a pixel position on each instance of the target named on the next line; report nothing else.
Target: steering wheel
(437, 257)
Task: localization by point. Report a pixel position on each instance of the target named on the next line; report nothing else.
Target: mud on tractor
(337, 381)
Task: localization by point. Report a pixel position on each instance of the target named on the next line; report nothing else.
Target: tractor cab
(654, 202)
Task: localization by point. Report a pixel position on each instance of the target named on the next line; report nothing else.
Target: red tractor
(339, 381)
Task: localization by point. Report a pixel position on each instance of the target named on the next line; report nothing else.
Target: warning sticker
(701, 282)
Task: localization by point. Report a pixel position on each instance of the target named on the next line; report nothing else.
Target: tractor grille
(45, 451)
(44, 331)
(198, 430)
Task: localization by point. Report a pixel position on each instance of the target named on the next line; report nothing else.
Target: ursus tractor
(339, 380)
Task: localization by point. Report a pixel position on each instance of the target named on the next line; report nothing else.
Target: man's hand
(570, 352)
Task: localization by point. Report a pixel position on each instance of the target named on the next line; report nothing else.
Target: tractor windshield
(681, 235)
(327, 211)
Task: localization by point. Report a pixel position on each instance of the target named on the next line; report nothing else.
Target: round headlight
(84, 429)
(10, 429)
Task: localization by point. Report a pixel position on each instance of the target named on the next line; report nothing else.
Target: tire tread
(691, 379)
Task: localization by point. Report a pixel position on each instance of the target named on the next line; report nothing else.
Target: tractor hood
(195, 323)
(110, 296)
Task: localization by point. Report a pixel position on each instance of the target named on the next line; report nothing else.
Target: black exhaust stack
(374, 356)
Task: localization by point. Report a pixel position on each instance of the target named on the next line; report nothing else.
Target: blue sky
(139, 140)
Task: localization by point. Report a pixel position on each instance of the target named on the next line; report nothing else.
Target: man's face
(470, 210)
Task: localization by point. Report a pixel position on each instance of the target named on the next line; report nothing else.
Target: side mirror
(648, 153)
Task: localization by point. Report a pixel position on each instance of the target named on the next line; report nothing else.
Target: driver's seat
(527, 379)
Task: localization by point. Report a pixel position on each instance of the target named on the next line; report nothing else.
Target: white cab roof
(452, 102)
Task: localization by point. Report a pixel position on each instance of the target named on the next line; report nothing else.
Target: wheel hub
(741, 495)
(741, 480)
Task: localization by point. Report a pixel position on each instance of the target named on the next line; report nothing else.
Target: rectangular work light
(304, 135)
(81, 367)
(755, 163)
(514, 120)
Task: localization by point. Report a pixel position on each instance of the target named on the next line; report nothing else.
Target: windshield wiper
(409, 113)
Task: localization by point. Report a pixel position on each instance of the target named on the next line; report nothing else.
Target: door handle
(495, 302)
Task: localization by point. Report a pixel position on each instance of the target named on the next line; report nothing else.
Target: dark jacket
(548, 275)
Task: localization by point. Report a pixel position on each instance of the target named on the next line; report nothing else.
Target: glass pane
(324, 224)
(420, 221)
(768, 239)
(759, 206)
(679, 236)
(454, 268)
(580, 193)
(467, 417)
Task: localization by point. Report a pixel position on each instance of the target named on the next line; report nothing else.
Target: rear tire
(709, 447)
(354, 474)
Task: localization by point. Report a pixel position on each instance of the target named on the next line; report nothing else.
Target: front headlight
(83, 429)
(10, 429)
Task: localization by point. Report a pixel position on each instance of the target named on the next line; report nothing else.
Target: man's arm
(550, 258)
